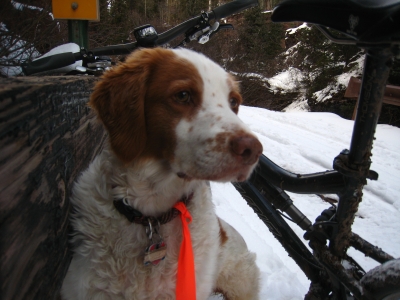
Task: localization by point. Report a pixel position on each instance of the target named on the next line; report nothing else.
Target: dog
(171, 118)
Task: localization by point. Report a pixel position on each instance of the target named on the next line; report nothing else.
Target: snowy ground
(305, 142)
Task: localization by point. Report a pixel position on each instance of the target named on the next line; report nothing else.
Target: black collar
(136, 216)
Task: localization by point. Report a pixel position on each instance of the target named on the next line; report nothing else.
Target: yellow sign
(76, 9)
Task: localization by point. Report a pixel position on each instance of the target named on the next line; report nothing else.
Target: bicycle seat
(366, 21)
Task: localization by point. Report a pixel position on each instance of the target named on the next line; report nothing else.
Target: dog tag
(155, 253)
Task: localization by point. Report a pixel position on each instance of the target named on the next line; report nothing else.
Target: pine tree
(191, 8)
(261, 39)
(322, 60)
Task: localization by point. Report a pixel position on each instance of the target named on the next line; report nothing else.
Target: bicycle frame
(264, 192)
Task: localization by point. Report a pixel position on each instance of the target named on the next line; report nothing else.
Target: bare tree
(27, 31)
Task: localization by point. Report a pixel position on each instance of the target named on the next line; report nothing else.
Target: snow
(286, 81)
(298, 105)
(290, 80)
(19, 50)
(325, 93)
(252, 75)
(341, 81)
(293, 30)
(21, 6)
(389, 268)
(305, 142)
(355, 71)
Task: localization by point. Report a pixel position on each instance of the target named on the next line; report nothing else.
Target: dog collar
(137, 217)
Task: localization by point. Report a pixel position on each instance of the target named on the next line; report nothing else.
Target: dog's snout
(246, 148)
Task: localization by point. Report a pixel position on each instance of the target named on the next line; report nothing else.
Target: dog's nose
(246, 148)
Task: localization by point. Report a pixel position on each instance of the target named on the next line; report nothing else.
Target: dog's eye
(234, 103)
(182, 97)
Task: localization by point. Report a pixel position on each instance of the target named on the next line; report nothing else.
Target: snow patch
(21, 6)
(19, 50)
(294, 30)
(286, 81)
(300, 104)
(340, 82)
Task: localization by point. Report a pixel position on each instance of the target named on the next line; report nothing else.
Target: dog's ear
(119, 100)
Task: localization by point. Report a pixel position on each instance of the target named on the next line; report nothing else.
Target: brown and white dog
(172, 121)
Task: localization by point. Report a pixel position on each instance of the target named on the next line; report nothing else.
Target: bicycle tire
(383, 282)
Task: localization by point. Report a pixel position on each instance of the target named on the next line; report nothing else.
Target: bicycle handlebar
(232, 8)
(120, 49)
(220, 12)
(64, 59)
(169, 35)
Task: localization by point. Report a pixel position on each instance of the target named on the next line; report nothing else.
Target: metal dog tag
(155, 253)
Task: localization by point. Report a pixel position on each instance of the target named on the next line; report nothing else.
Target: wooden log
(48, 136)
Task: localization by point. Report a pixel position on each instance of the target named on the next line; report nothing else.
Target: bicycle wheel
(383, 282)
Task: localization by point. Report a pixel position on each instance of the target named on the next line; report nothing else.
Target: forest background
(254, 51)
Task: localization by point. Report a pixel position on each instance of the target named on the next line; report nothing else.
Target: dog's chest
(158, 281)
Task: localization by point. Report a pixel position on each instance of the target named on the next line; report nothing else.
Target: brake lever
(203, 31)
(212, 32)
(206, 37)
(223, 26)
(198, 34)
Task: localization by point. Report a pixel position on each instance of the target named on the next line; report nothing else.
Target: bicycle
(265, 190)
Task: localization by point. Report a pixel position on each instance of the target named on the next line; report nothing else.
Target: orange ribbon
(186, 278)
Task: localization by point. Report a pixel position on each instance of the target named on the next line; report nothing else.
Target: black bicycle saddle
(366, 21)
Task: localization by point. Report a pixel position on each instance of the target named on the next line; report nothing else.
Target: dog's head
(179, 107)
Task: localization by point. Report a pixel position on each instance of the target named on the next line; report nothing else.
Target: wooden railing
(48, 136)
(391, 96)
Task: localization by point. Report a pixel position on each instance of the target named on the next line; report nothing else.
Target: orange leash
(185, 281)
